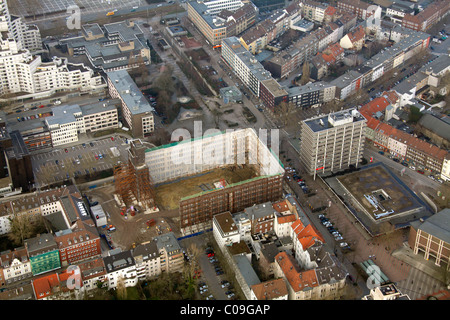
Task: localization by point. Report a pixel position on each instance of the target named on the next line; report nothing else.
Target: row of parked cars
(218, 269)
(292, 175)
(337, 236)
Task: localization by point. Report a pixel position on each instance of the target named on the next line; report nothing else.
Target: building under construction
(132, 179)
(220, 172)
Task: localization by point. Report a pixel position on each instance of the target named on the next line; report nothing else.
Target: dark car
(396, 160)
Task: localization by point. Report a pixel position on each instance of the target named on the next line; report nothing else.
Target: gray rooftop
(147, 250)
(259, 210)
(331, 120)
(129, 92)
(310, 87)
(167, 241)
(438, 225)
(41, 243)
(63, 114)
(118, 261)
(246, 269)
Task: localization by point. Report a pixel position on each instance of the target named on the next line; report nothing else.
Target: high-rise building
(333, 142)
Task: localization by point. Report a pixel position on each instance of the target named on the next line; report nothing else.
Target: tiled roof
(298, 280)
(376, 105)
(270, 290)
(306, 235)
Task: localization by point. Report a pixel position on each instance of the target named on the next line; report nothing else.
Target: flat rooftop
(325, 122)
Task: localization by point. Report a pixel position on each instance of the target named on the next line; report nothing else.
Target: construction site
(224, 171)
(133, 184)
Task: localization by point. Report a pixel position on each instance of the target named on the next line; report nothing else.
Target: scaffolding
(132, 179)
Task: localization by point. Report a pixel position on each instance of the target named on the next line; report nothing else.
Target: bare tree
(306, 73)
(284, 112)
(21, 228)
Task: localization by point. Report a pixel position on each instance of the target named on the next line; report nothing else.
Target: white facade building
(215, 6)
(225, 231)
(121, 268)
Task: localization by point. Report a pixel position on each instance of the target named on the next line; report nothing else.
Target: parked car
(338, 238)
(343, 244)
(421, 171)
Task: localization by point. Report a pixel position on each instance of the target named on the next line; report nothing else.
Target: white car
(343, 244)
(336, 234)
(412, 168)
(339, 238)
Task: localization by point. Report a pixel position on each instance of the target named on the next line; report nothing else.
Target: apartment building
(28, 36)
(244, 65)
(270, 290)
(93, 273)
(136, 111)
(27, 76)
(445, 172)
(225, 230)
(43, 253)
(259, 36)
(272, 93)
(285, 215)
(362, 9)
(324, 282)
(332, 142)
(400, 144)
(283, 62)
(54, 286)
(15, 266)
(148, 261)
(428, 17)
(354, 40)
(120, 269)
(77, 244)
(171, 255)
(312, 94)
(261, 217)
(314, 11)
(35, 205)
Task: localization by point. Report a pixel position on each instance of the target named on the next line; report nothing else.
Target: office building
(333, 142)
(136, 111)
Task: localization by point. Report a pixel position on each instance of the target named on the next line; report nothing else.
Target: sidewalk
(406, 254)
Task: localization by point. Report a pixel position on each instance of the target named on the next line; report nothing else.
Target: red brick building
(78, 244)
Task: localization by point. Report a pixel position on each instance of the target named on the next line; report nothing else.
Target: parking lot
(213, 282)
(78, 160)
